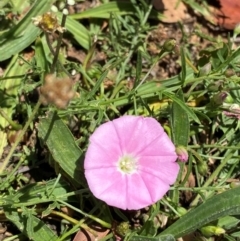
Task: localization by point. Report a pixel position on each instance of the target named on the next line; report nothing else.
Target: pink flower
(130, 162)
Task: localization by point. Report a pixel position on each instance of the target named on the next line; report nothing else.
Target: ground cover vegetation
(118, 121)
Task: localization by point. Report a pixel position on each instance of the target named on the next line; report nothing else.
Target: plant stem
(212, 177)
(191, 65)
(53, 53)
(55, 59)
(197, 189)
(214, 146)
(14, 125)
(19, 138)
(98, 220)
(162, 54)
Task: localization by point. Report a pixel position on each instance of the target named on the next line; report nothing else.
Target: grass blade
(24, 33)
(105, 10)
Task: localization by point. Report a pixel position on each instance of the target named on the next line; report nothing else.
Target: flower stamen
(127, 164)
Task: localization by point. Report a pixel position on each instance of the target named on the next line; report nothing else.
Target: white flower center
(127, 164)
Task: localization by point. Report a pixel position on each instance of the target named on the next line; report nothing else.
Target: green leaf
(184, 67)
(138, 68)
(228, 222)
(167, 237)
(218, 57)
(19, 5)
(62, 146)
(48, 210)
(97, 85)
(9, 86)
(180, 132)
(105, 10)
(234, 57)
(236, 235)
(31, 226)
(149, 228)
(24, 33)
(199, 8)
(39, 192)
(79, 32)
(187, 109)
(160, 238)
(180, 122)
(229, 238)
(226, 203)
(40, 57)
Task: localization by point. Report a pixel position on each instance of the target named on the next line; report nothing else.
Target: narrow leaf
(97, 85)
(38, 192)
(227, 203)
(184, 67)
(24, 33)
(40, 56)
(160, 238)
(180, 122)
(79, 32)
(188, 110)
(9, 87)
(105, 10)
(229, 60)
(62, 146)
(138, 68)
(36, 230)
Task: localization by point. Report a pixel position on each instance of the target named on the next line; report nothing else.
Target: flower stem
(53, 53)
(55, 59)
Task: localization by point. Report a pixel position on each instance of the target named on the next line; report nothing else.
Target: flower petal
(98, 157)
(161, 146)
(144, 190)
(101, 179)
(135, 133)
(126, 192)
(104, 148)
(167, 171)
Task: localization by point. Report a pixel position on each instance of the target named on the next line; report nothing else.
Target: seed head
(48, 23)
(56, 91)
